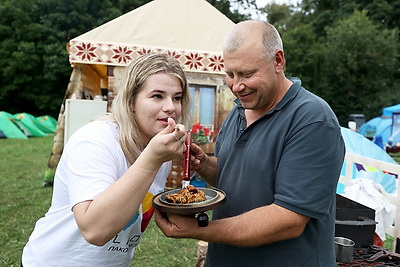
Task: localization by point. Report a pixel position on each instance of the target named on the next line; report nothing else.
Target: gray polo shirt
(291, 156)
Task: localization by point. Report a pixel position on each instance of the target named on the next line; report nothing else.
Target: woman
(110, 170)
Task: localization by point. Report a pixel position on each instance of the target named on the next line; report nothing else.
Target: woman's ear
(132, 101)
(132, 106)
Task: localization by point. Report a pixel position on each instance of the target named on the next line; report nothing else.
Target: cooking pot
(355, 221)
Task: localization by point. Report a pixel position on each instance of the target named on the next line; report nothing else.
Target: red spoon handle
(186, 160)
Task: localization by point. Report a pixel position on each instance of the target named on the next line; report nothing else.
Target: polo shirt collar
(290, 94)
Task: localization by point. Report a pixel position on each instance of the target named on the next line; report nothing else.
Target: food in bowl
(186, 195)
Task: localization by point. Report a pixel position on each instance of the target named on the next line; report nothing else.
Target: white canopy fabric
(190, 30)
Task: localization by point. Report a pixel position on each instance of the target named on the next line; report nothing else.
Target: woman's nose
(168, 105)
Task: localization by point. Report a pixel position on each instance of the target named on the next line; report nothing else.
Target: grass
(24, 201)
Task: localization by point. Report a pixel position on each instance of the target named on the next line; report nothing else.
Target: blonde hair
(136, 74)
(240, 33)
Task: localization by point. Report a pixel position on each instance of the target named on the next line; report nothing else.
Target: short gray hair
(238, 35)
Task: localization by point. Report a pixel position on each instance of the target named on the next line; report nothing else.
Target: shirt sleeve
(91, 166)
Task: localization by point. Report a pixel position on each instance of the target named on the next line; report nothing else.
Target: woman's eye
(178, 98)
(157, 96)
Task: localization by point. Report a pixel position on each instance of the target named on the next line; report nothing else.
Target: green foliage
(347, 52)
(304, 55)
(35, 69)
(231, 8)
(361, 60)
(277, 15)
(21, 55)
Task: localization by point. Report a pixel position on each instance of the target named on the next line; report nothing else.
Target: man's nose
(237, 85)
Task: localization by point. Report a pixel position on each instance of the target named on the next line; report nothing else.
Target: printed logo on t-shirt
(147, 210)
(124, 246)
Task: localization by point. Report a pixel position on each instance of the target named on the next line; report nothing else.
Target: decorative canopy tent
(191, 31)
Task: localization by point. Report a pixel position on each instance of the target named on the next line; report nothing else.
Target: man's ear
(279, 61)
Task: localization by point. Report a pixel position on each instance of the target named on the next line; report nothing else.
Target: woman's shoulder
(105, 132)
(100, 128)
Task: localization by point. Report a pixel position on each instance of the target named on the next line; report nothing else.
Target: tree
(360, 62)
(304, 55)
(19, 53)
(232, 9)
(34, 34)
(347, 56)
(278, 15)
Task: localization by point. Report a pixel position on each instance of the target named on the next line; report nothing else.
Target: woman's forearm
(101, 219)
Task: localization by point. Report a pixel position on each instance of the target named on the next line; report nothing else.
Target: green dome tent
(8, 128)
(48, 122)
(29, 124)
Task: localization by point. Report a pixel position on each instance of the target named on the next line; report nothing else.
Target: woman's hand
(168, 144)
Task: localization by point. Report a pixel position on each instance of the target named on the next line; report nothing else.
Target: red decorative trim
(122, 55)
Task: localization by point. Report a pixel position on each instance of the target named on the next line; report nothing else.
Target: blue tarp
(358, 144)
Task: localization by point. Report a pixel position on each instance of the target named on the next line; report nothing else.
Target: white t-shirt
(92, 160)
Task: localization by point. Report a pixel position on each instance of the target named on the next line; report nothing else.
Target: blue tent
(358, 144)
(388, 112)
(379, 129)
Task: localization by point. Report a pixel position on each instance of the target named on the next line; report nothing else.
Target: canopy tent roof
(190, 30)
(388, 111)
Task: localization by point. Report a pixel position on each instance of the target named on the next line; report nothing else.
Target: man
(278, 158)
